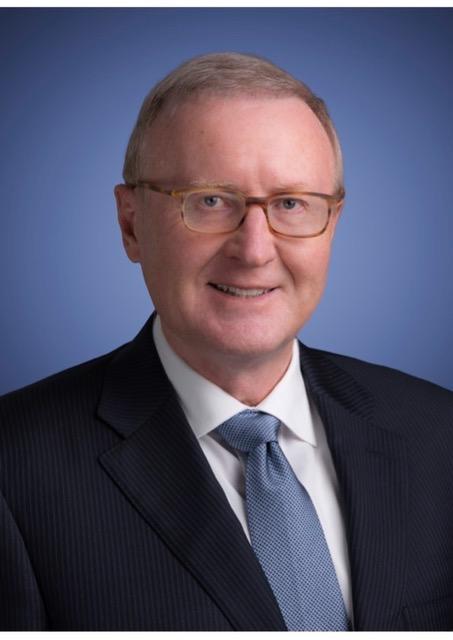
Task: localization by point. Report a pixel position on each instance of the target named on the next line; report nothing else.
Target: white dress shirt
(301, 437)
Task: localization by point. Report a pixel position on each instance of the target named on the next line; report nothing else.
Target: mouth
(239, 292)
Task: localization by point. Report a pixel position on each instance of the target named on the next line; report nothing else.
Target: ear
(127, 207)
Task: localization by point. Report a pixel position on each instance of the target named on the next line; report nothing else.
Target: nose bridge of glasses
(261, 203)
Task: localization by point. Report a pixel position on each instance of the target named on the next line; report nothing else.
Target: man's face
(261, 146)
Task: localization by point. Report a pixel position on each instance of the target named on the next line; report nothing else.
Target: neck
(248, 378)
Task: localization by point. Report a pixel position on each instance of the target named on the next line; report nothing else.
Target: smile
(239, 292)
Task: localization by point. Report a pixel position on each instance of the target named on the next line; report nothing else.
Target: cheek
(176, 258)
(308, 265)
(158, 242)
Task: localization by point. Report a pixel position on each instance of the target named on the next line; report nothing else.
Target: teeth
(242, 293)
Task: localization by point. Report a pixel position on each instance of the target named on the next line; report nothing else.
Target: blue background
(72, 84)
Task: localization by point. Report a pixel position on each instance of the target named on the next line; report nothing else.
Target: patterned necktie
(285, 531)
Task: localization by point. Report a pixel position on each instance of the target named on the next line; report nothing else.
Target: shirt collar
(206, 405)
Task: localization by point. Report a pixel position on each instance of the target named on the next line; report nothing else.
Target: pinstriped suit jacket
(111, 519)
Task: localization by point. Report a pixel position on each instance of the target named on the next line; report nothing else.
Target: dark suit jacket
(111, 518)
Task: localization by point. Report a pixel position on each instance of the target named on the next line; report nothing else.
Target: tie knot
(248, 429)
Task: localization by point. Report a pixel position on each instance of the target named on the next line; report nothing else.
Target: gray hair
(224, 74)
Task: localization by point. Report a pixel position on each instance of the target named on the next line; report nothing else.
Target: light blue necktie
(285, 531)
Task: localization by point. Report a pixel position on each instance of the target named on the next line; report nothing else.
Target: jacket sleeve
(21, 605)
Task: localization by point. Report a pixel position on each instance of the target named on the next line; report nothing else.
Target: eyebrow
(278, 188)
(213, 185)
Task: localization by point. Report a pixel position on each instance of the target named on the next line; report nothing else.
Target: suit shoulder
(65, 387)
(391, 388)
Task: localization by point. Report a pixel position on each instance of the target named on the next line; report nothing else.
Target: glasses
(219, 210)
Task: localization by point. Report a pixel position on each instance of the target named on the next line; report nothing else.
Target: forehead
(249, 139)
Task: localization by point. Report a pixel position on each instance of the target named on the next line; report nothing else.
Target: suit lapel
(371, 466)
(162, 470)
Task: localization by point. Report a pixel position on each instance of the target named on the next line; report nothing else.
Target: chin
(247, 341)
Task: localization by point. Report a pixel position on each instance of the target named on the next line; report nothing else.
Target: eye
(212, 201)
(290, 204)
(206, 202)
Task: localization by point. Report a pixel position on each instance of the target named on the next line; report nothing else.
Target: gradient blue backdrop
(72, 83)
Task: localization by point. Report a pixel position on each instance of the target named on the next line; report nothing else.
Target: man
(215, 474)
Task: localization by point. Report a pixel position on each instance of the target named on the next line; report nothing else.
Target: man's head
(240, 123)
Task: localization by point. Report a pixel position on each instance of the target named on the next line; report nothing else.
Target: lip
(267, 292)
(247, 286)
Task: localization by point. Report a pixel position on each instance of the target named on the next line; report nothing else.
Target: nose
(252, 243)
